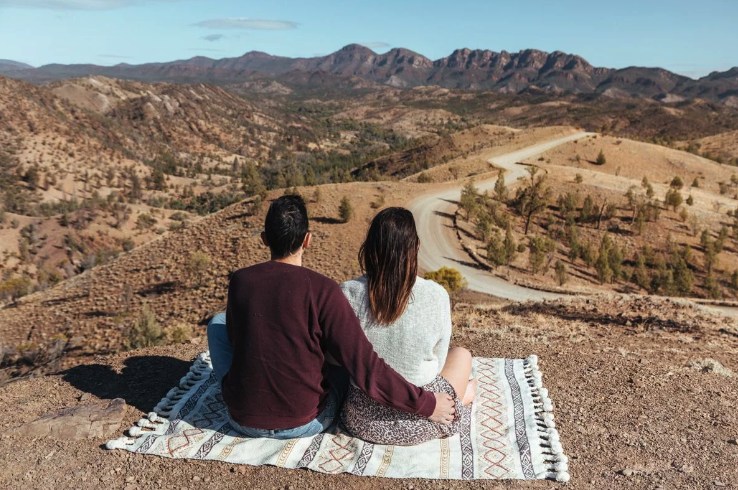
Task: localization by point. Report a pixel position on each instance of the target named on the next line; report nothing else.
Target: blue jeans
(221, 355)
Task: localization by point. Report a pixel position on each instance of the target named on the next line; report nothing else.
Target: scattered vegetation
(448, 277)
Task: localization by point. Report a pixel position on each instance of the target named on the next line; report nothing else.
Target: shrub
(15, 287)
(673, 198)
(345, 210)
(448, 277)
(145, 221)
(424, 178)
(179, 334)
(146, 331)
(676, 183)
(197, 263)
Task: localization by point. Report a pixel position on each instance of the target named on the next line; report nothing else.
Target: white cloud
(249, 24)
(213, 37)
(74, 4)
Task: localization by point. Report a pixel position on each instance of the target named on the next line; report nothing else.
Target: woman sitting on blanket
(408, 321)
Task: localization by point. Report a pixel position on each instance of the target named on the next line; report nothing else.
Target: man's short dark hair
(286, 225)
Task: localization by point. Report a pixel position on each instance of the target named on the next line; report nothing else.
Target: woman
(408, 321)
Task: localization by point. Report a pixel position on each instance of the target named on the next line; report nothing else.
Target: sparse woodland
(579, 234)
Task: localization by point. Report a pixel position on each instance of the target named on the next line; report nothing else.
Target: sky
(684, 36)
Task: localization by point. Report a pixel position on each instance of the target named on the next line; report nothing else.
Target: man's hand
(445, 409)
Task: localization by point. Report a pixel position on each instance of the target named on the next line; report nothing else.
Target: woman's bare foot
(471, 392)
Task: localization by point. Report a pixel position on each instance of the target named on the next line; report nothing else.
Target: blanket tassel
(556, 461)
(158, 419)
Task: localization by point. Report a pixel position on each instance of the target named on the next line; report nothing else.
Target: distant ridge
(9, 66)
(528, 70)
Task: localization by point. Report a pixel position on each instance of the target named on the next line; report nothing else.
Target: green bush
(345, 210)
(448, 277)
(146, 331)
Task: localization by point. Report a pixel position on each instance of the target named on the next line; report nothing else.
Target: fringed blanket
(510, 433)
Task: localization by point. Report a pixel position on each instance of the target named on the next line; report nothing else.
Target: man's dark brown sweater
(282, 320)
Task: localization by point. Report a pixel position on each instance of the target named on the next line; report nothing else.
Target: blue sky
(692, 38)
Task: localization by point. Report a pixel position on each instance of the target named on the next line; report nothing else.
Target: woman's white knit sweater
(416, 344)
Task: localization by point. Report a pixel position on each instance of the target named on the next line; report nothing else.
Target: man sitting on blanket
(282, 322)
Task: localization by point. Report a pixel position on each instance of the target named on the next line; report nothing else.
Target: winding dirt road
(439, 246)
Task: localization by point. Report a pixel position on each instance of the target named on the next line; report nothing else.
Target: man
(281, 323)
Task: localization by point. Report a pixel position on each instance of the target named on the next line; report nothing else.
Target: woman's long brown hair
(389, 258)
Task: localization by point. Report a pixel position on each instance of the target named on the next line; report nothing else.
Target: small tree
(690, 200)
(676, 183)
(495, 250)
(533, 198)
(540, 247)
(448, 277)
(601, 160)
(673, 198)
(509, 245)
(500, 187)
(345, 210)
(469, 201)
(561, 273)
(609, 260)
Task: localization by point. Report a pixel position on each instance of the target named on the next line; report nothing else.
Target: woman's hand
(445, 409)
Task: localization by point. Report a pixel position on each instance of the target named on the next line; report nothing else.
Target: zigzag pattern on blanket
(509, 433)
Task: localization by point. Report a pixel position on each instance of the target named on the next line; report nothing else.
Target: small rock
(84, 397)
(711, 366)
(87, 421)
(627, 472)
(718, 483)
(733, 441)
(130, 479)
(195, 478)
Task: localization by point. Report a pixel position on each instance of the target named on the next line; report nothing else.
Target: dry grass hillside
(722, 146)
(181, 277)
(92, 167)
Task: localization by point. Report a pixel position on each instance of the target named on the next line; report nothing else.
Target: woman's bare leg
(457, 369)
(471, 392)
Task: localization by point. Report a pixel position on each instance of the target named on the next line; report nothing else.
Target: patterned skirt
(368, 420)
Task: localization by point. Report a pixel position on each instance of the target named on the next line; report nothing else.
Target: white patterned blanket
(510, 433)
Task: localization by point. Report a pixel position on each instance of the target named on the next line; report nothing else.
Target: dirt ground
(625, 374)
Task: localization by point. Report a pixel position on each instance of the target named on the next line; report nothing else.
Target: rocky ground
(644, 390)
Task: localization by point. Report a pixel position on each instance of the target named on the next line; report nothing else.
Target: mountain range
(529, 70)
